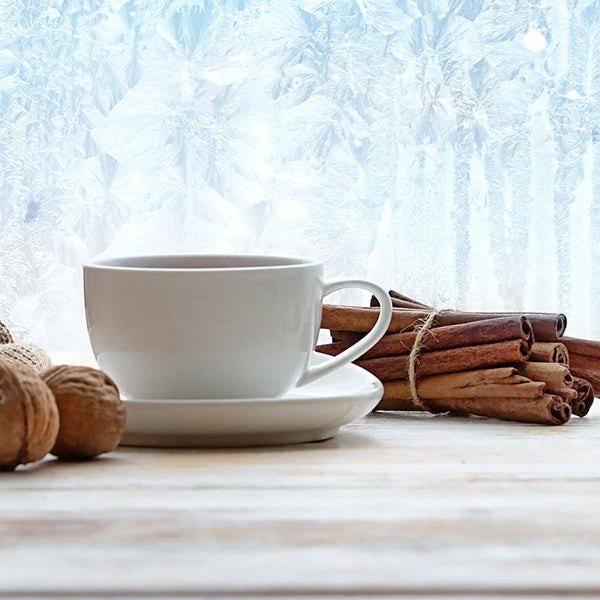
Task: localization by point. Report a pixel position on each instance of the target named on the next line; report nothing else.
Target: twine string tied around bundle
(413, 358)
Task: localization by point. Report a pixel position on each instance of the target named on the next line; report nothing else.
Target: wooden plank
(397, 504)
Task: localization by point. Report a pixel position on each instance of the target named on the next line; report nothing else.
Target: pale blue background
(448, 149)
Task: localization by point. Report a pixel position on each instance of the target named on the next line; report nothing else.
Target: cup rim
(286, 262)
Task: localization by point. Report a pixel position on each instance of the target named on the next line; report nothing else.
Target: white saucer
(306, 414)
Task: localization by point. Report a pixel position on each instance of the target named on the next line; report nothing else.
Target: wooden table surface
(397, 504)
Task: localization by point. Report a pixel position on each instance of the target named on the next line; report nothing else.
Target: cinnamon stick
(547, 409)
(586, 367)
(400, 303)
(544, 330)
(546, 327)
(553, 352)
(590, 376)
(357, 318)
(398, 296)
(580, 346)
(585, 397)
(556, 377)
(403, 302)
(440, 338)
(349, 337)
(500, 382)
(449, 361)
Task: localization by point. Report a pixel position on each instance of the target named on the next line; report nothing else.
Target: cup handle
(385, 315)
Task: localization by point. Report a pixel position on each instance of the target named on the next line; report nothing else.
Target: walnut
(28, 416)
(92, 415)
(29, 355)
(5, 336)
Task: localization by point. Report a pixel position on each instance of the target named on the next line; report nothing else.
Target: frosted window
(445, 148)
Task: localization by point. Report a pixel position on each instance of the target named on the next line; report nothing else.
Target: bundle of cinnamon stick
(514, 366)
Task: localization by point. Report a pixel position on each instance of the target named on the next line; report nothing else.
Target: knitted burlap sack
(5, 336)
(25, 354)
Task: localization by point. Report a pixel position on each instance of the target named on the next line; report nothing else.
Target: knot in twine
(413, 359)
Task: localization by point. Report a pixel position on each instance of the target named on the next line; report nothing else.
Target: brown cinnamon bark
(398, 296)
(546, 327)
(440, 338)
(403, 302)
(349, 337)
(586, 367)
(580, 346)
(585, 397)
(556, 377)
(553, 352)
(543, 327)
(360, 319)
(501, 382)
(547, 409)
(399, 303)
(568, 394)
(591, 376)
(449, 361)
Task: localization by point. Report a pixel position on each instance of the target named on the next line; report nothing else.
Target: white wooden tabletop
(406, 504)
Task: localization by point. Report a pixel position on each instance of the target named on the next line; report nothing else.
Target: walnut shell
(29, 355)
(28, 416)
(5, 336)
(92, 414)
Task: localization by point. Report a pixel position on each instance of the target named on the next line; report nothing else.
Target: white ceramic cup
(213, 326)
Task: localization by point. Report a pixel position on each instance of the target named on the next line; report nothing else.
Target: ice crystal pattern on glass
(446, 148)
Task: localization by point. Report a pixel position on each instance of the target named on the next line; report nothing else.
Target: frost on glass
(445, 148)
